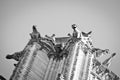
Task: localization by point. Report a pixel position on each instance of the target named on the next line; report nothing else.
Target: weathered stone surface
(61, 58)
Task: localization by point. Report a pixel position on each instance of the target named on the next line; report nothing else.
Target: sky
(17, 17)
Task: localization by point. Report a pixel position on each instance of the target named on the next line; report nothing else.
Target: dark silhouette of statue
(75, 33)
(16, 56)
(35, 34)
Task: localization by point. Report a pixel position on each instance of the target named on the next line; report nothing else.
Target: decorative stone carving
(76, 32)
(66, 62)
(99, 52)
(16, 56)
(35, 34)
(107, 61)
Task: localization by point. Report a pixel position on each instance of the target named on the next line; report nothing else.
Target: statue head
(74, 26)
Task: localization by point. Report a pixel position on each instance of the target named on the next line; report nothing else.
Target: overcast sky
(56, 16)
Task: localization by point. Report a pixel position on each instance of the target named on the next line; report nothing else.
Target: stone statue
(34, 29)
(76, 33)
(35, 34)
(16, 56)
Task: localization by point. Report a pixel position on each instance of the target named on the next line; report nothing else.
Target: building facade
(61, 58)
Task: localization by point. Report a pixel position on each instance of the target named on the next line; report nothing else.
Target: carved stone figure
(63, 58)
(35, 34)
(16, 56)
(75, 32)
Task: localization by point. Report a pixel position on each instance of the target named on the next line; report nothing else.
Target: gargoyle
(16, 56)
